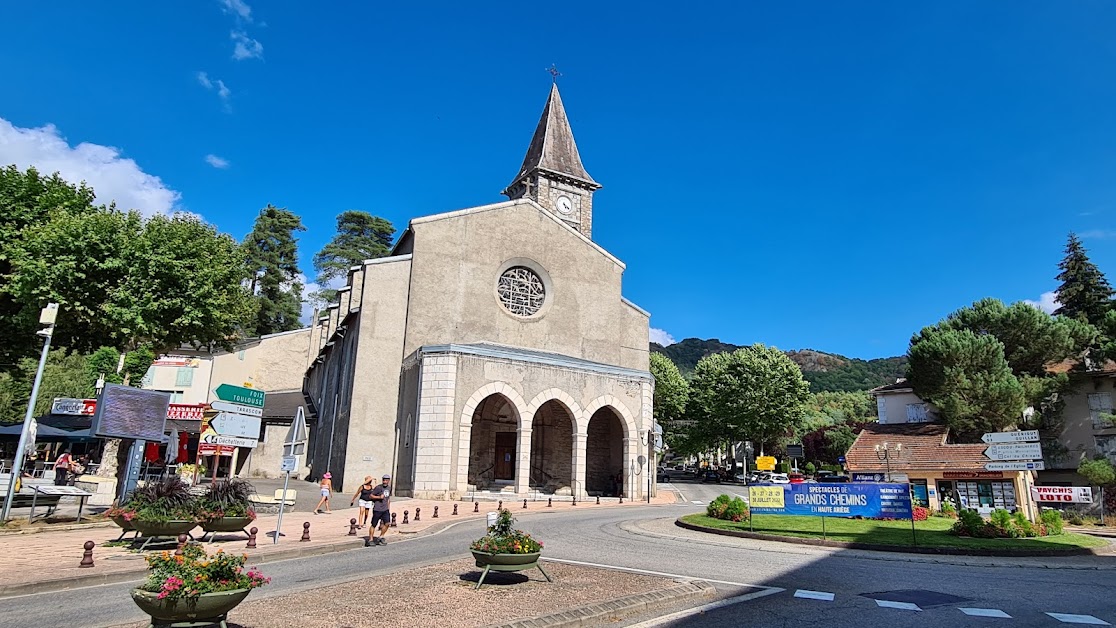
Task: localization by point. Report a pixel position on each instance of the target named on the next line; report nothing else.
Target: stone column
(434, 436)
(523, 461)
(631, 465)
(464, 449)
(579, 444)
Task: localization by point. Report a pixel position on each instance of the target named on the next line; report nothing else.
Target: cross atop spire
(554, 73)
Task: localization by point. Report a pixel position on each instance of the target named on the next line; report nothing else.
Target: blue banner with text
(881, 501)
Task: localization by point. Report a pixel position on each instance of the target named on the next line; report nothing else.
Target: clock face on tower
(564, 204)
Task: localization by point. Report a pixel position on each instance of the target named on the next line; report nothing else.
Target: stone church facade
(491, 351)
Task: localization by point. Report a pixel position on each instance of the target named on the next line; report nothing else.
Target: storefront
(937, 471)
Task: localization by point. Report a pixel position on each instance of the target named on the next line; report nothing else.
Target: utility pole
(46, 317)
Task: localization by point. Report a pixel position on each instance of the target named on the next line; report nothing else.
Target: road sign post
(241, 395)
(1021, 436)
(1014, 451)
(1017, 465)
(294, 444)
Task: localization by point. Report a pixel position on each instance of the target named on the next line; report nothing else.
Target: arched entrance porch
(605, 473)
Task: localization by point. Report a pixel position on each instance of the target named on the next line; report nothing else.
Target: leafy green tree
(1097, 472)
(27, 198)
(755, 393)
(122, 281)
(967, 377)
(360, 236)
(272, 257)
(64, 375)
(1085, 293)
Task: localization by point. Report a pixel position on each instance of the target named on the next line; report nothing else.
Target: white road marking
(696, 502)
(984, 612)
(671, 618)
(679, 491)
(905, 606)
(814, 595)
(660, 573)
(1067, 618)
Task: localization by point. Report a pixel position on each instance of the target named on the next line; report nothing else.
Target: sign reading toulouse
(890, 501)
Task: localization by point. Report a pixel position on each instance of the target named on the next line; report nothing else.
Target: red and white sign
(206, 449)
(88, 407)
(1062, 494)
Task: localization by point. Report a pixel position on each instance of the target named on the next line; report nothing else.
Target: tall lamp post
(885, 452)
(47, 317)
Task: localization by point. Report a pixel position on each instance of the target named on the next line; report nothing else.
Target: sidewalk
(48, 561)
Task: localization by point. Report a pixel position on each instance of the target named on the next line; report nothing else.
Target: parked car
(779, 478)
(796, 478)
(741, 478)
(710, 475)
(662, 476)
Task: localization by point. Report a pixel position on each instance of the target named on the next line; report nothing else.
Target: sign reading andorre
(883, 501)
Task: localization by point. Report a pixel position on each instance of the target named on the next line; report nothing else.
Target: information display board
(890, 501)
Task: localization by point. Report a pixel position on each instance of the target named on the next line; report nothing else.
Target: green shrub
(1052, 519)
(1001, 519)
(1022, 526)
(970, 523)
(1074, 518)
(811, 468)
(727, 508)
(948, 510)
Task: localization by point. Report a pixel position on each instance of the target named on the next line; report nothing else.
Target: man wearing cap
(381, 512)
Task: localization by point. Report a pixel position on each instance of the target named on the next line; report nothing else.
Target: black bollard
(476, 507)
(435, 512)
(500, 505)
(352, 527)
(525, 503)
(417, 511)
(87, 556)
(598, 500)
(393, 524)
(454, 509)
(181, 544)
(252, 538)
(621, 499)
(305, 531)
(550, 502)
(405, 514)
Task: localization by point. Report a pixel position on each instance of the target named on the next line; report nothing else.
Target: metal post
(282, 503)
(17, 466)
(823, 528)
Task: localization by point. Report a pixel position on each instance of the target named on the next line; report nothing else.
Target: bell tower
(552, 174)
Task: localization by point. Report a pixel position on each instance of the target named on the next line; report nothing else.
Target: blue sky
(831, 175)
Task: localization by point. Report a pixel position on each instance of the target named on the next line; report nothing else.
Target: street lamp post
(47, 317)
(884, 454)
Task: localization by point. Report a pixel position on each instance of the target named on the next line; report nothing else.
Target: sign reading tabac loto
(884, 501)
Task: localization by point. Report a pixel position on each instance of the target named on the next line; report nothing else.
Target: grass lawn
(934, 532)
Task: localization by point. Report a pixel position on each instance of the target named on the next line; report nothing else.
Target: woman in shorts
(364, 498)
(327, 490)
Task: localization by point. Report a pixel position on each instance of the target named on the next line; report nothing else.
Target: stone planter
(507, 562)
(208, 608)
(225, 524)
(123, 523)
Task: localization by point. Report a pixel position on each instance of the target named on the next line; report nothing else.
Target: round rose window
(521, 291)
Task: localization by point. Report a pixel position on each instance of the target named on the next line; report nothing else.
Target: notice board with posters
(881, 501)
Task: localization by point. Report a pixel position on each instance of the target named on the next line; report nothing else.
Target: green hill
(824, 371)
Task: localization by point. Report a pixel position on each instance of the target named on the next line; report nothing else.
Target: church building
(492, 352)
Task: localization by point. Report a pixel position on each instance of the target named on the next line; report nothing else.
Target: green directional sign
(241, 395)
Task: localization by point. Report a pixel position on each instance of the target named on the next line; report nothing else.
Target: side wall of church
(457, 261)
(371, 437)
(634, 338)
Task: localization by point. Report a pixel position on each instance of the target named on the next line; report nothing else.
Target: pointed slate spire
(552, 148)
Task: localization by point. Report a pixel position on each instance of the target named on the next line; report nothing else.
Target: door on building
(504, 467)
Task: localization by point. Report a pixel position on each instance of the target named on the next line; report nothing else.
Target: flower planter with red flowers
(195, 586)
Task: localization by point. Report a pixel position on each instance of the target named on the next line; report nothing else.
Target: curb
(620, 608)
(901, 549)
(65, 528)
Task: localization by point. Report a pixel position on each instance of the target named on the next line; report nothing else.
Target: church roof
(552, 147)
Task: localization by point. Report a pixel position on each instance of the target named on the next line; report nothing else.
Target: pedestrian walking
(326, 487)
(381, 513)
(62, 468)
(364, 497)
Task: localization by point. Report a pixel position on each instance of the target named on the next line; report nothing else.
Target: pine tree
(360, 236)
(1085, 293)
(271, 251)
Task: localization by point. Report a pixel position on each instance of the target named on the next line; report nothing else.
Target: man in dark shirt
(381, 512)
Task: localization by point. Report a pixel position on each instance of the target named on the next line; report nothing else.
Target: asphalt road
(774, 572)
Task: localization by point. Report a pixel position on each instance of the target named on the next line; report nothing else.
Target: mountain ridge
(825, 371)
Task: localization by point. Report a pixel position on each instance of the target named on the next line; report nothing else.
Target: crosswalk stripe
(1068, 618)
(984, 612)
(814, 595)
(906, 606)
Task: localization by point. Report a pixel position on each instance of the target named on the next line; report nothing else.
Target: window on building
(919, 494)
(184, 377)
(1106, 446)
(916, 413)
(176, 395)
(881, 409)
(1100, 410)
(988, 494)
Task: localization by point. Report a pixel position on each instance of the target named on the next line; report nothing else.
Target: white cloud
(661, 336)
(1097, 234)
(246, 47)
(223, 91)
(238, 8)
(1048, 302)
(216, 162)
(203, 80)
(112, 176)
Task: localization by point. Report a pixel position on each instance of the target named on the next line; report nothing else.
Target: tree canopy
(360, 236)
(671, 394)
(1085, 293)
(271, 250)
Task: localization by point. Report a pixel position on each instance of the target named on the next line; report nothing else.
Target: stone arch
(554, 394)
(491, 442)
(487, 390)
(626, 417)
(470, 447)
(552, 429)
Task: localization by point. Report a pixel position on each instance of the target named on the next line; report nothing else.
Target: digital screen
(126, 412)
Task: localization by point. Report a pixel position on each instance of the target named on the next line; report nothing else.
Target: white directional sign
(236, 408)
(229, 424)
(1022, 436)
(234, 441)
(288, 463)
(1015, 466)
(1012, 451)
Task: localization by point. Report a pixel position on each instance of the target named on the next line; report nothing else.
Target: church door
(504, 469)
